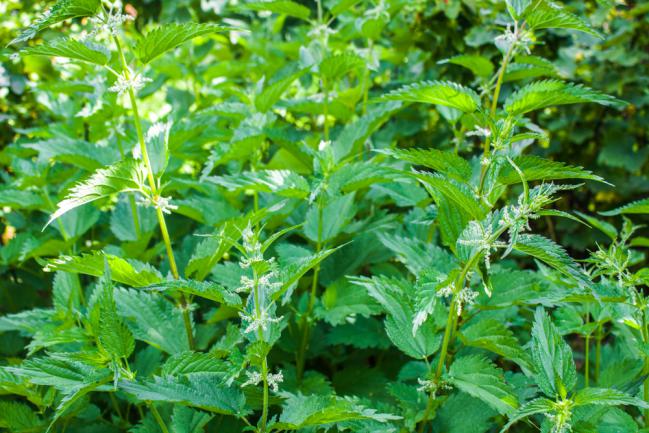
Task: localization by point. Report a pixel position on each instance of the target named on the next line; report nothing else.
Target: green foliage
(339, 216)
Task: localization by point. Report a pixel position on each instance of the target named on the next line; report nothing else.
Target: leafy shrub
(244, 226)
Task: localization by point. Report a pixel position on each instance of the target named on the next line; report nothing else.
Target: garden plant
(369, 216)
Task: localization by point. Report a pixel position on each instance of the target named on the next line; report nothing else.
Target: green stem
(305, 324)
(645, 385)
(325, 109)
(452, 310)
(264, 363)
(154, 191)
(598, 352)
(494, 105)
(158, 418)
(587, 355)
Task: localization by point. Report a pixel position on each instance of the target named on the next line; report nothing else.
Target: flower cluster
(126, 82)
(255, 377)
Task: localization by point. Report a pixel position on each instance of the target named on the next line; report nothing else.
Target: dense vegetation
(329, 215)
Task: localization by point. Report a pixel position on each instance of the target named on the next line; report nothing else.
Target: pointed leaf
(443, 93)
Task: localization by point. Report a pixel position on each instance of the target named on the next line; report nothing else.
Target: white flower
(446, 291)
(253, 378)
(159, 202)
(465, 297)
(479, 132)
(124, 84)
(259, 322)
(256, 377)
(274, 380)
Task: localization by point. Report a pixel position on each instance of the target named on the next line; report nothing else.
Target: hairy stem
(587, 355)
(598, 351)
(154, 191)
(264, 364)
(645, 385)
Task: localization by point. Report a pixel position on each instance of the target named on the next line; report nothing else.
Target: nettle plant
(276, 262)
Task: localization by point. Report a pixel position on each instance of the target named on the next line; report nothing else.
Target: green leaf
(529, 67)
(61, 11)
(479, 377)
(443, 93)
(536, 406)
(548, 93)
(445, 162)
(272, 92)
(152, 319)
(60, 372)
(185, 363)
(186, 420)
(302, 412)
(322, 226)
(493, 335)
(291, 273)
(337, 66)
(357, 175)
(70, 48)
(206, 392)
(537, 168)
(556, 373)
(125, 271)
(391, 293)
(19, 417)
(281, 182)
(127, 175)
(636, 207)
(170, 36)
(606, 397)
(550, 15)
(283, 7)
(479, 65)
(459, 194)
(113, 335)
(204, 289)
(551, 254)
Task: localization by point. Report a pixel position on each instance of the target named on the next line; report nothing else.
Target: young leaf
(548, 93)
(556, 373)
(335, 67)
(170, 36)
(127, 175)
(113, 335)
(443, 93)
(265, 100)
(536, 406)
(479, 377)
(459, 194)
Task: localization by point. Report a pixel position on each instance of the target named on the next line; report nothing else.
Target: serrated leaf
(492, 335)
(551, 254)
(69, 48)
(283, 7)
(127, 175)
(204, 289)
(61, 11)
(318, 410)
(555, 373)
(443, 93)
(537, 168)
(549, 93)
(391, 294)
(152, 319)
(281, 182)
(169, 36)
(479, 65)
(272, 93)
(60, 372)
(550, 15)
(186, 420)
(479, 377)
(113, 335)
(322, 226)
(536, 406)
(205, 392)
(606, 397)
(291, 273)
(357, 175)
(458, 194)
(636, 207)
(19, 417)
(131, 272)
(445, 162)
(184, 363)
(337, 66)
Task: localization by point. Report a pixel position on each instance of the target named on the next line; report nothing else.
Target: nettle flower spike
(126, 82)
(262, 321)
(255, 377)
